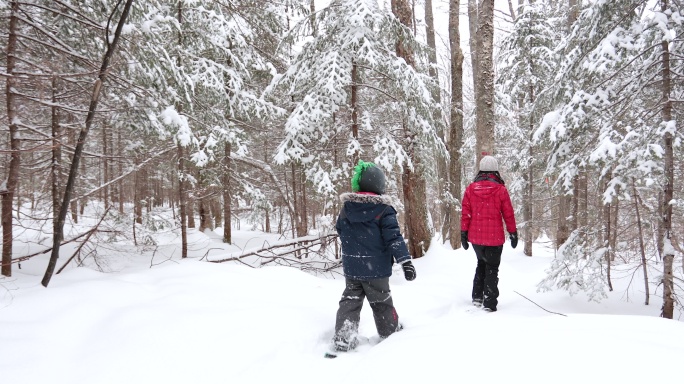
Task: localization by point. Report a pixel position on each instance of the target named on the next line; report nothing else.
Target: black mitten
(464, 239)
(409, 270)
(514, 239)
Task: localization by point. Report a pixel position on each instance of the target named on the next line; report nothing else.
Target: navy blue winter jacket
(370, 237)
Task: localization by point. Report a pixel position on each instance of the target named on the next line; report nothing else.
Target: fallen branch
(301, 243)
(47, 250)
(88, 235)
(555, 313)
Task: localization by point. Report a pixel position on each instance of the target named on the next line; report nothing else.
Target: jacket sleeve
(466, 212)
(507, 211)
(391, 235)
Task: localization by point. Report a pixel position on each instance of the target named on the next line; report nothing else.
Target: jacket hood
(361, 207)
(484, 189)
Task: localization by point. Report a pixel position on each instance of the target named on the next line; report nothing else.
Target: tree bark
(668, 193)
(472, 37)
(355, 110)
(15, 144)
(563, 224)
(182, 201)
(59, 233)
(56, 167)
(105, 167)
(484, 121)
(227, 213)
(456, 124)
(606, 228)
(637, 201)
(441, 213)
(137, 193)
(414, 185)
(528, 201)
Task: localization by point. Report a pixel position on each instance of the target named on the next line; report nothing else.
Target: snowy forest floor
(166, 320)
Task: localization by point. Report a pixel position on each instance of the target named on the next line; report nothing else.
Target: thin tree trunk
(355, 110)
(56, 167)
(182, 202)
(304, 209)
(528, 178)
(312, 18)
(105, 166)
(605, 233)
(511, 10)
(637, 201)
(456, 123)
(58, 236)
(15, 144)
(614, 211)
(121, 182)
(484, 104)
(563, 226)
(137, 195)
(472, 42)
(295, 202)
(442, 209)
(414, 185)
(227, 213)
(668, 193)
(528, 201)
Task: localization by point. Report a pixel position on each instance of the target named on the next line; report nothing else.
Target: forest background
(231, 113)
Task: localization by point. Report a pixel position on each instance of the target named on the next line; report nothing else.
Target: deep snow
(192, 321)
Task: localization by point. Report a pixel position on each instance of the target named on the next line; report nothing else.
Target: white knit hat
(489, 164)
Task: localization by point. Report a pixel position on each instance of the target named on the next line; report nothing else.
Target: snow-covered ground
(192, 321)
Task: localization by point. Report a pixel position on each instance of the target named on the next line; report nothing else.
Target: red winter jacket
(485, 203)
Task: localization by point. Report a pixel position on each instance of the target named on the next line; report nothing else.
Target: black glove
(464, 239)
(409, 270)
(514, 239)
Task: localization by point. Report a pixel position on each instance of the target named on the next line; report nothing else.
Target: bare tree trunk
(182, 202)
(137, 195)
(304, 220)
(204, 200)
(511, 10)
(563, 225)
(614, 211)
(105, 166)
(414, 185)
(637, 201)
(485, 85)
(574, 11)
(227, 213)
(121, 182)
(15, 144)
(190, 204)
(472, 42)
(56, 167)
(528, 201)
(528, 178)
(216, 213)
(668, 193)
(312, 10)
(442, 209)
(355, 110)
(73, 172)
(456, 124)
(296, 219)
(606, 229)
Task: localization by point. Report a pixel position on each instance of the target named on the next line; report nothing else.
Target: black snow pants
(486, 281)
(377, 291)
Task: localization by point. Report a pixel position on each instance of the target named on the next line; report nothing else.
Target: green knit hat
(368, 178)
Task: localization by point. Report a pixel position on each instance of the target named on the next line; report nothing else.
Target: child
(371, 243)
(485, 203)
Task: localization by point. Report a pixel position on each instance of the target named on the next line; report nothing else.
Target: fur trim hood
(364, 198)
